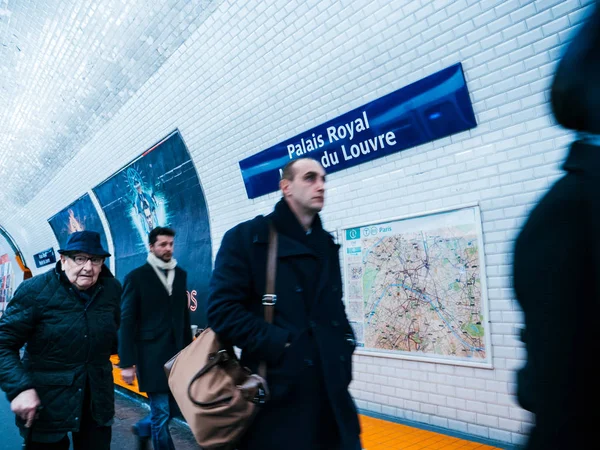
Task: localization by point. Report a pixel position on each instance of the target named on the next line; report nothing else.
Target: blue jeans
(156, 424)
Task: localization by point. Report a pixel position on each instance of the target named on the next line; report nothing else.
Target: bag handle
(217, 358)
(270, 298)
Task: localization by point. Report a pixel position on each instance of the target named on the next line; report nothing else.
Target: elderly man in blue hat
(67, 319)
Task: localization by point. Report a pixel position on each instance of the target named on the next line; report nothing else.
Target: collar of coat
(583, 157)
(293, 240)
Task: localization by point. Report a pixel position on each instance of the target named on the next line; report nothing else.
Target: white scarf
(159, 266)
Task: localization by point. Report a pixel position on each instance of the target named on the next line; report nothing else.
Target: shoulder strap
(270, 298)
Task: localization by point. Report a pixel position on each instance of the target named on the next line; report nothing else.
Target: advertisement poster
(78, 216)
(161, 188)
(416, 287)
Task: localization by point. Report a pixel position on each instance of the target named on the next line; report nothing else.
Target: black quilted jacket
(66, 343)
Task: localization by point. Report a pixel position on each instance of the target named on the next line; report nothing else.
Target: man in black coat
(68, 319)
(557, 265)
(308, 347)
(155, 325)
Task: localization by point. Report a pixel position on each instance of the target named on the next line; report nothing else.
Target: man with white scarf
(155, 325)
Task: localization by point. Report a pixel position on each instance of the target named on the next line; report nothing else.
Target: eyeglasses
(81, 260)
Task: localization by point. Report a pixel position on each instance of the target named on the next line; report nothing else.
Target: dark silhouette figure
(557, 264)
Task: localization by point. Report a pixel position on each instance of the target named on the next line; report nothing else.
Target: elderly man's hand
(25, 406)
(128, 375)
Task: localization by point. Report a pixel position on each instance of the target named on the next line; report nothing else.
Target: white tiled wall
(258, 72)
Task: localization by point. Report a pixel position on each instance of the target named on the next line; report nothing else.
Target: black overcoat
(557, 284)
(68, 343)
(309, 315)
(154, 325)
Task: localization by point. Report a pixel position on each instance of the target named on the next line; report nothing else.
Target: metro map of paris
(414, 286)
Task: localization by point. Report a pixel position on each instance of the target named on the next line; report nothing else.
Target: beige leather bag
(217, 396)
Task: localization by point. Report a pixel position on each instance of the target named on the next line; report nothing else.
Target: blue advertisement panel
(432, 108)
(78, 216)
(161, 188)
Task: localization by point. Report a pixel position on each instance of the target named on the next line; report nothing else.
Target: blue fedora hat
(85, 242)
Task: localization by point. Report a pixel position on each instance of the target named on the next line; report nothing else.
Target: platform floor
(377, 434)
(380, 434)
(128, 412)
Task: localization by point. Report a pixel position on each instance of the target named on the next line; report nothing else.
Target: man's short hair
(160, 231)
(288, 172)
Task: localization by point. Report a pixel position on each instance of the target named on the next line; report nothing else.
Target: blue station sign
(44, 258)
(429, 109)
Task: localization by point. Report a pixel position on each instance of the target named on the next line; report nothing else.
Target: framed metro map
(416, 288)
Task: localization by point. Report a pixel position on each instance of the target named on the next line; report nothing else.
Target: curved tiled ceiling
(66, 68)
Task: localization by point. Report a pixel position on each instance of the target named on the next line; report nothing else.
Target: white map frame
(486, 362)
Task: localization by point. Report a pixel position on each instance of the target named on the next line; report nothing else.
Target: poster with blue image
(161, 188)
